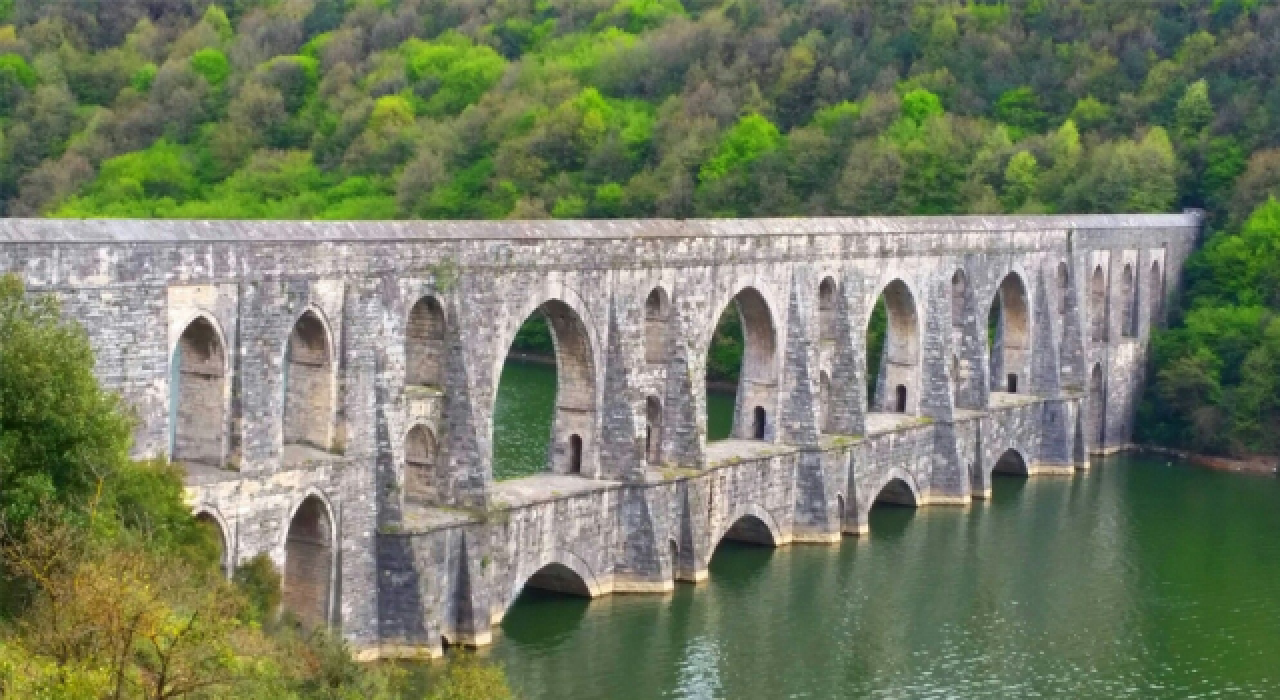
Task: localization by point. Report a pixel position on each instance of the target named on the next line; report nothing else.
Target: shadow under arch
(1009, 335)
(755, 402)
(897, 368)
(563, 573)
(571, 448)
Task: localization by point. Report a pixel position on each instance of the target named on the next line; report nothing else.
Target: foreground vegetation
(109, 588)
(611, 108)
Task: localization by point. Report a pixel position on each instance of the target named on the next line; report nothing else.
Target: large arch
(897, 387)
(420, 459)
(1098, 305)
(561, 572)
(425, 344)
(198, 394)
(571, 448)
(897, 489)
(756, 399)
(1011, 347)
(1011, 462)
(309, 561)
(309, 383)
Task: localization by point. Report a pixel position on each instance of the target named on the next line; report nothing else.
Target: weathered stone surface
(333, 392)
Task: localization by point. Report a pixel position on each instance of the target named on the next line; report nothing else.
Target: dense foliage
(109, 587)
(609, 108)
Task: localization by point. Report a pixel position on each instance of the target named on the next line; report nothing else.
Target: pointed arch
(1010, 315)
(420, 458)
(750, 523)
(1098, 305)
(209, 517)
(827, 291)
(425, 344)
(310, 561)
(657, 321)
(1011, 462)
(897, 489)
(897, 384)
(198, 394)
(758, 371)
(309, 381)
(561, 572)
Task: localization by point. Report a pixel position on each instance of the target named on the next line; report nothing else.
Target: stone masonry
(330, 386)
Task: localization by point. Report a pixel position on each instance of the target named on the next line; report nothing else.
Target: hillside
(636, 108)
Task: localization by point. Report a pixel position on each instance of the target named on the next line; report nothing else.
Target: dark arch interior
(558, 578)
(751, 530)
(895, 493)
(1098, 305)
(546, 397)
(827, 310)
(308, 392)
(308, 569)
(657, 314)
(1129, 301)
(1009, 335)
(1097, 404)
(420, 464)
(197, 395)
(743, 353)
(1011, 464)
(424, 344)
(893, 351)
(959, 292)
(217, 538)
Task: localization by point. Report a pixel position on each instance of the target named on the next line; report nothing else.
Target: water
(1140, 579)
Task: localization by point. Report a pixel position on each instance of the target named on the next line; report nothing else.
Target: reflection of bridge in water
(330, 387)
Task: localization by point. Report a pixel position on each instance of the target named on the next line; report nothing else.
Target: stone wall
(316, 357)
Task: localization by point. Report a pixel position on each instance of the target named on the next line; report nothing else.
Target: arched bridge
(330, 387)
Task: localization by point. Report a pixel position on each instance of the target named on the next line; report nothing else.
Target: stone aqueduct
(330, 387)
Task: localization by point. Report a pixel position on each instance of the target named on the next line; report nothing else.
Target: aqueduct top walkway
(331, 385)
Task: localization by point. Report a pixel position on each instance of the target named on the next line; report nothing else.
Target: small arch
(959, 291)
(1011, 462)
(901, 399)
(827, 310)
(198, 393)
(562, 572)
(653, 430)
(657, 313)
(1098, 305)
(425, 344)
(758, 423)
(420, 465)
(309, 562)
(214, 524)
(1155, 292)
(1097, 404)
(575, 454)
(1128, 302)
(309, 383)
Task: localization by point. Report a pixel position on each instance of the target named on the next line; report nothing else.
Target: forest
(366, 109)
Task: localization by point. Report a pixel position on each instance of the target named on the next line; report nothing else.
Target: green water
(522, 418)
(1140, 579)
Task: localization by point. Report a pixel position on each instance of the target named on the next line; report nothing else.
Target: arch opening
(308, 563)
(895, 493)
(749, 529)
(1009, 334)
(1128, 301)
(1097, 405)
(545, 409)
(309, 385)
(657, 312)
(653, 430)
(425, 345)
(420, 465)
(558, 578)
(1063, 288)
(743, 350)
(959, 291)
(893, 351)
(218, 538)
(827, 310)
(1098, 305)
(1011, 463)
(197, 398)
